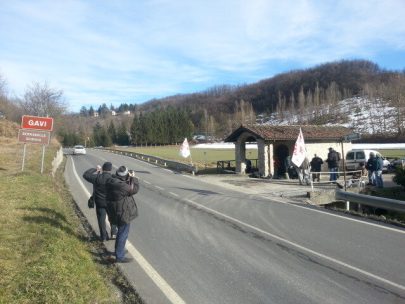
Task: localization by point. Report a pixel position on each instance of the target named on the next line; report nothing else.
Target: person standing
(98, 177)
(316, 164)
(120, 190)
(332, 161)
(303, 172)
(371, 167)
(379, 164)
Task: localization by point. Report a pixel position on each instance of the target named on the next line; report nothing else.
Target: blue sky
(133, 51)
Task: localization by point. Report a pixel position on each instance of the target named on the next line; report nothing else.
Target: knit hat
(107, 166)
(122, 171)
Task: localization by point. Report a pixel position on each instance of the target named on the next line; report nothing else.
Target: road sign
(353, 136)
(34, 137)
(37, 123)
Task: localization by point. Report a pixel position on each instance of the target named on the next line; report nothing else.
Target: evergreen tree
(134, 130)
(83, 111)
(122, 135)
(112, 132)
(100, 136)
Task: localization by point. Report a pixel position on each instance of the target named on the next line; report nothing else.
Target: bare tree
(301, 104)
(2, 86)
(41, 100)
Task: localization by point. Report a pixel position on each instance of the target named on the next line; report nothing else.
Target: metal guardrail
(373, 201)
(177, 166)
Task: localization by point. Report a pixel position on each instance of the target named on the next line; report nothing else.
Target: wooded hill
(222, 107)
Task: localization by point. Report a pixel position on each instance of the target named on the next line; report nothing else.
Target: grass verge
(46, 254)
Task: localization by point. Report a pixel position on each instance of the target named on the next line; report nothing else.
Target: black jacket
(316, 164)
(333, 159)
(122, 204)
(99, 186)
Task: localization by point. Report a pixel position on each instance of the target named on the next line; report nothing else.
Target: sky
(132, 51)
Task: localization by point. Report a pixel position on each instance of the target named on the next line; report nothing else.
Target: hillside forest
(318, 95)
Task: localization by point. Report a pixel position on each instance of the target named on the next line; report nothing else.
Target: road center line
(160, 188)
(161, 283)
(174, 194)
(302, 248)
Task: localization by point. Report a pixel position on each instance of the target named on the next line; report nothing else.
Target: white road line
(146, 182)
(304, 248)
(149, 270)
(160, 188)
(320, 255)
(174, 194)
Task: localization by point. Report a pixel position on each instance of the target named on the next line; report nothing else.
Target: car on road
(79, 149)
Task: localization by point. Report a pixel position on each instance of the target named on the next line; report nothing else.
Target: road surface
(195, 242)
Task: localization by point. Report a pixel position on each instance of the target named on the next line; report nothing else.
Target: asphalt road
(195, 242)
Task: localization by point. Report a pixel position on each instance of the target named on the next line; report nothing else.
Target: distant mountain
(349, 76)
(363, 115)
(298, 90)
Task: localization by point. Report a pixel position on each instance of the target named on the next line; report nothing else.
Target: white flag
(185, 149)
(300, 152)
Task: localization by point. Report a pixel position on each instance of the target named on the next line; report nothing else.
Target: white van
(356, 156)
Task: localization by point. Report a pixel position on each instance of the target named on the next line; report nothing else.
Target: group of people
(373, 169)
(315, 165)
(113, 197)
(375, 166)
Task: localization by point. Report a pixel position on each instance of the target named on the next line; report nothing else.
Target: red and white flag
(300, 152)
(185, 149)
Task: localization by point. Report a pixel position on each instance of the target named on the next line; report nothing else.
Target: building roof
(310, 132)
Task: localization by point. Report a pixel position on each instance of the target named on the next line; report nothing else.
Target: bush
(399, 177)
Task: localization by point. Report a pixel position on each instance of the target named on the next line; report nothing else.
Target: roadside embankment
(46, 255)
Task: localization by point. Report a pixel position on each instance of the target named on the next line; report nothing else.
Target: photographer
(120, 190)
(98, 177)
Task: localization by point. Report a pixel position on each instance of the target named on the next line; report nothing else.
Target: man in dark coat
(333, 164)
(120, 189)
(316, 164)
(371, 167)
(98, 177)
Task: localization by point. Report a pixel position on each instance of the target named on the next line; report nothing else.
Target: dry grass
(45, 253)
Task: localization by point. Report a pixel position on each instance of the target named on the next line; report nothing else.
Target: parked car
(397, 163)
(356, 156)
(79, 149)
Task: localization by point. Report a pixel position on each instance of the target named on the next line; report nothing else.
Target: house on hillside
(276, 143)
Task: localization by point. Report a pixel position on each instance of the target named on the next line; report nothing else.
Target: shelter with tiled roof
(276, 143)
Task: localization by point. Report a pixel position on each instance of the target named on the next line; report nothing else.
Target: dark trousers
(122, 237)
(101, 216)
(317, 176)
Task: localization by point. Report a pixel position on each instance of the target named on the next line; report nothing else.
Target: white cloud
(138, 49)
